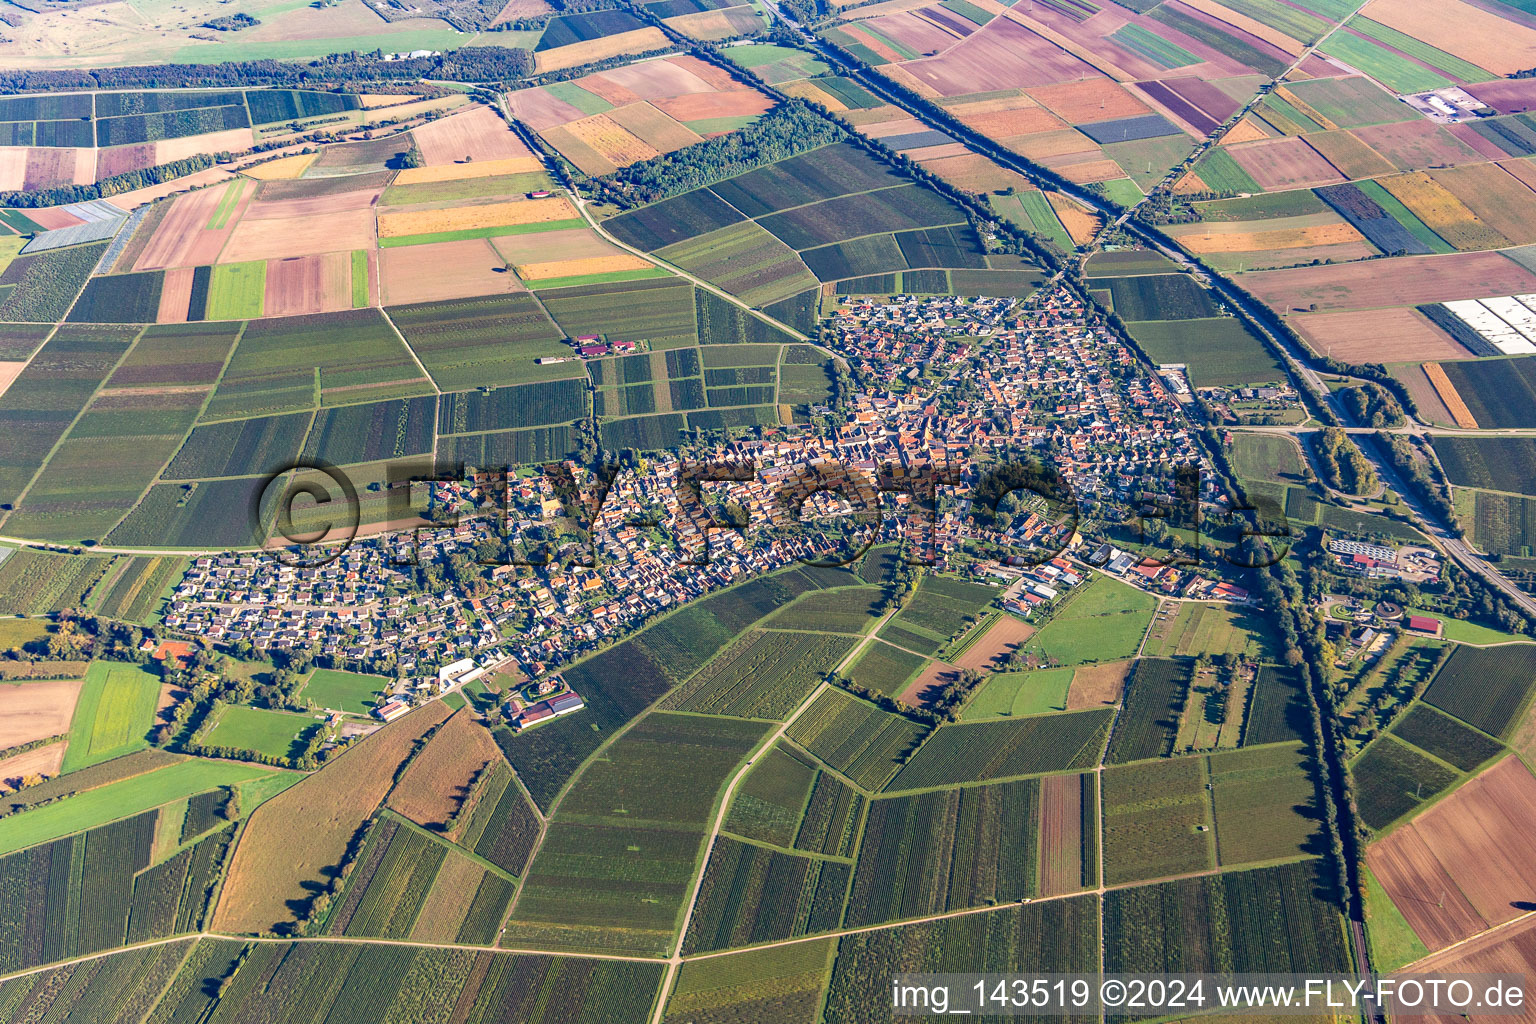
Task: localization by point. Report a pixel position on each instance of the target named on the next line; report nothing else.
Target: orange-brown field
(550, 269)
(974, 173)
(234, 140)
(1462, 866)
(175, 296)
(1247, 130)
(438, 781)
(1284, 238)
(659, 130)
(1398, 335)
(487, 215)
(1400, 282)
(308, 284)
(1096, 99)
(1007, 123)
(1094, 686)
(44, 761)
(1431, 408)
(277, 237)
(477, 134)
(292, 839)
(614, 143)
(928, 684)
(593, 50)
(448, 901)
(1080, 224)
(283, 168)
(445, 270)
(1061, 834)
(1449, 396)
(1353, 158)
(313, 206)
(1444, 214)
(991, 649)
(477, 169)
(183, 238)
(569, 244)
(35, 711)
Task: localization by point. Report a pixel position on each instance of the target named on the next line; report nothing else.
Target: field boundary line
(415, 359)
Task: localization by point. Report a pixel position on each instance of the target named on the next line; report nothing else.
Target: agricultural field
(856, 738)
(1486, 687)
(1211, 630)
(1272, 919)
(1153, 706)
(1157, 820)
(1392, 778)
(983, 751)
(752, 894)
(113, 715)
(1469, 850)
(781, 983)
(1494, 463)
(647, 802)
(766, 674)
(906, 837)
(939, 613)
(788, 802)
(1265, 803)
(1103, 621)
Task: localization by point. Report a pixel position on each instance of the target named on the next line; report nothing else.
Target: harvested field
(658, 130)
(472, 135)
(293, 838)
(1449, 396)
(1412, 145)
(445, 270)
(975, 173)
(121, 159)
(1003, 124)
(1353, 158)
(528, 211)
(44, 761)
(175, 295)
(1442, 212)
(1097, 685)
(1003, 55)
(1413, 280)
(235, 140)
(1095, 99)
(1506, 951)
(570, 244)
(282, 169)
(1246, 130)
(310, 206)
(478, 169)
(591, 51)
(1284, 163)
(35, 711)
(183, 238)
(1477, 847)
(438, 781)
(721, 24)
(278, 237)
(1496, 196)
(582, 268)
(1061, 833)
(1005, 636)
(308, 284)
(1283, 238)
(615, 145)
(1399, 335)
(9, 371)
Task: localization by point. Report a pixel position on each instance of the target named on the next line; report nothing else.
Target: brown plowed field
(477, 133)
(715, 78)
(915, 33)
(1284, 163)
(570, 244)
(445, 270)
(175, 296)
(293, 838)
(1398, 335)
(539, 109)
(1510, 950)
(1281, 238)
(9, 371)
(299, 236)
(1094, 686)
(272, 209)
(1005, 123)
(1460, 867)
(1504, 202)
(1005, 636)
(1410, 281)
(1431, 408)
(35, 711)
(1353, 158)
(47, 168)
(928, 684)
(1068, 142)
(1097, 99)
(895, 126)
(54, 218)
(1061, 834)
(44, 761)
(1414, 145)
(438, 780)
(657, 79)
(1091, 170)
(183, 238)
(308, 284)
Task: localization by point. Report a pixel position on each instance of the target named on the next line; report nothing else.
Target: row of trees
(1341, 464)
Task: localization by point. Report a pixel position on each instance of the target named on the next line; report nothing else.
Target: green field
(266, 732)
(1393, 943)
(1397, 73)
(1219, 351)
(610, 277)
(121, 800)
(1469, 632)
(236, 290)
(1223, 174)
(1103, 621)
(114, 714)
(1020, 693)
(1208, 629)
(360, 289)
(1032, 212)
(344, 691)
